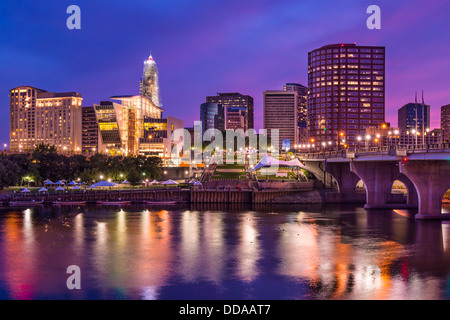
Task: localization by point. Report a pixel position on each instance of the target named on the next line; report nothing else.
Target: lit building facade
(302, 94)
(89, 131)
(158, 139)
(38, 116)
(238, 110)
(212, 116)
(280, 113)
(129, 117)
(414, 117)
(112, 129)
(149, 85)
(384, 135)
(445, 122)
(346, 92)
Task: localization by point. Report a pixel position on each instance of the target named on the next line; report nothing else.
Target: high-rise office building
(38, 116)
(157, 139)
(121, 124)
(89, 130)
(346, 87)
(445, 123)
(414, 117)
(238, 109)
(149, 85)
(212, 116)
(112, 128)
(302, 93)
(280, 113)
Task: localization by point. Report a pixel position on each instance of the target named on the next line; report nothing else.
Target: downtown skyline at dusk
(129, 170)
(202, 48)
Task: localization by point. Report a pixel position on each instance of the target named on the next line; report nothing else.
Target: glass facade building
(212, 116)
(238, 109)
(414, 116)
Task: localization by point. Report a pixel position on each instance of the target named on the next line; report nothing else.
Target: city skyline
(247, 57)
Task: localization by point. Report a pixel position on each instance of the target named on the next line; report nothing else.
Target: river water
(222, 252)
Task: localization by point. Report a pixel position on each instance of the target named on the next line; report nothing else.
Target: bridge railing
(344, 153)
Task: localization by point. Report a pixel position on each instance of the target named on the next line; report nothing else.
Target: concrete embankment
(312, 196)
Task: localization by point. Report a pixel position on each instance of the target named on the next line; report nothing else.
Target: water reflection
(285, 252)
(248, 251)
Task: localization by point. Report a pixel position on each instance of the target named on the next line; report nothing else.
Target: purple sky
(209, 46)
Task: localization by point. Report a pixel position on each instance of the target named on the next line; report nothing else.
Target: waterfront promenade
(174, 194)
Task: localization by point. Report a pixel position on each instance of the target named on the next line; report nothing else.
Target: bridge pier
(346, 182)
(318, 169)
(431, 179)
(378, 178)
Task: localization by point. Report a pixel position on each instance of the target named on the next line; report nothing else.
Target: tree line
(46, 163)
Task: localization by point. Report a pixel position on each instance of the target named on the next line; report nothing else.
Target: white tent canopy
(170, 181)
(104, 183)
(72, 183)
(47, 182)
(268, 161)
(59, 188)
(43, 189)
(25, 190)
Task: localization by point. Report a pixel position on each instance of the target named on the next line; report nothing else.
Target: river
(222, 252)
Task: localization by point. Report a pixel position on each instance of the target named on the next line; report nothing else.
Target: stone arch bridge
(424, 170)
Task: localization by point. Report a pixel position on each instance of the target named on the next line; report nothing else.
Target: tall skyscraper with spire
(149, 86)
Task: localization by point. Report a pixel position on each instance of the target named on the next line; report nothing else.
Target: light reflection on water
(223, 252)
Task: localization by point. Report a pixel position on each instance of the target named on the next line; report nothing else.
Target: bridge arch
(360, 186)
(411, 192)
(446, 202)
(431, 180)
(378, 177)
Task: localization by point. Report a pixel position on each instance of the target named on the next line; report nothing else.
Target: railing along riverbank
(192, 195)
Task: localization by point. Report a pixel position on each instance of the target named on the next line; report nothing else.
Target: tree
(88, 175)
(43, 148)
(9, 173)
(134, 177)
